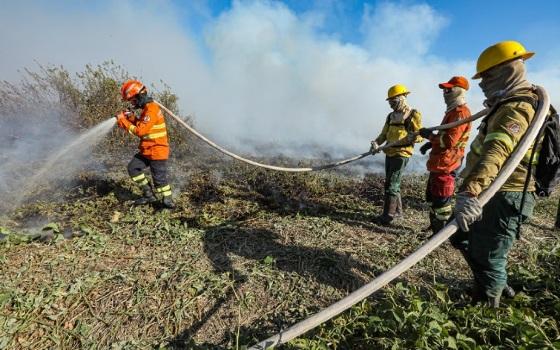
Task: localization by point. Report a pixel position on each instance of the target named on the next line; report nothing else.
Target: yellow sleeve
(504, 133)
(416, 125)
(383, 136)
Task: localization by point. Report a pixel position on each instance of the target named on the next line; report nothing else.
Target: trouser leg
(491, 239)
(394, 167)
(136, 169)
(162, 186)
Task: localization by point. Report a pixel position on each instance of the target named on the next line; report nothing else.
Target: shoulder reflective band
(500, 136)
(154, 135)
(131, 129)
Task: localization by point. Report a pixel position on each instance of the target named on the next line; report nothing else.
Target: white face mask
(398, 103)
(454, 97)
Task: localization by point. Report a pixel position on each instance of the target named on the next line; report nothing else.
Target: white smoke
(262, 79)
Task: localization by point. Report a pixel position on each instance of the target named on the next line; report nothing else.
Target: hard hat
(459, 81)
(397, 90)
(131, 88)
(499, 53)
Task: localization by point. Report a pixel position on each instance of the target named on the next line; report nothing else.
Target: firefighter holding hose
(487, 234)
(399, 126)
(150, 127)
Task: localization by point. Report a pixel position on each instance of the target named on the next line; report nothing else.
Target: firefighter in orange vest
(150, 127)
(448, 150)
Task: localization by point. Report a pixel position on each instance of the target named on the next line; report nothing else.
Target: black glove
(425, 147)
(425, 133)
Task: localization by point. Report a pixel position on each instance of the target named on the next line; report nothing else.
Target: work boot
(168, 202)
(493, 302)
(147, 197)
(399, 209)
(508, 292)
(389, 210)
(436, 224)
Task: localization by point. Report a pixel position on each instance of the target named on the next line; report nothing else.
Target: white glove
(374, 147)
(467, 210)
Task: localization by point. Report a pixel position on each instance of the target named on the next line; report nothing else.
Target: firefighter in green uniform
(399, 125)
(487, 234)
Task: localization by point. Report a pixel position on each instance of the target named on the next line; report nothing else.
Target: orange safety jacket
(151, 130)
(448, 146)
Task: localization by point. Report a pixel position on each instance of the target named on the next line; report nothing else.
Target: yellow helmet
(499, 53)
(397, 90)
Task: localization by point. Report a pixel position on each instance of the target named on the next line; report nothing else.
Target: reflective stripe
(527, 157)
(443, 213)
(158, 126)
(138, 177)
(154, 135)
(165, 190)
(476, 147)
(500, 136)
(131, 129)
(441, 143)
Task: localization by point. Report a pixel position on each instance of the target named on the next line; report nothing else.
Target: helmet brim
(525, 57)
(404, 93)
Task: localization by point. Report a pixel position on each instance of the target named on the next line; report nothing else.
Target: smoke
(260, 79)
(39, 153)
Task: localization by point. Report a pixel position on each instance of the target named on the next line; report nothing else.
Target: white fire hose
(389, 275)
(315, 168)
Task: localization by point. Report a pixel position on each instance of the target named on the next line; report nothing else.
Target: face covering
(454, 97)
(141, 100)
(504, 80)
(398, 103)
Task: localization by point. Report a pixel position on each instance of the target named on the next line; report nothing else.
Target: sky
(284, 77)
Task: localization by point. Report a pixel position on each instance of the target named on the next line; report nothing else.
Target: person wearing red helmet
(150, 127)
(447, 152)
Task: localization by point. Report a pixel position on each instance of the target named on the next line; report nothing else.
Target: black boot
(435, 224)
(147, 197)
(168, 202)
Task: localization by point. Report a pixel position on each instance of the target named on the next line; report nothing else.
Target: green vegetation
(247, 253)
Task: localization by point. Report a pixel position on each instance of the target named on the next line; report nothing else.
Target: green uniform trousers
(488, 242)
(394, 168)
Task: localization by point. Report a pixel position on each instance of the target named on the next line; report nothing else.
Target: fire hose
(389, 275)
(315, 168)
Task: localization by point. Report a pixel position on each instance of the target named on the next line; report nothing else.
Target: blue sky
(471, 25)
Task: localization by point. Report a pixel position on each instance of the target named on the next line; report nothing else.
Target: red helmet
(131, 88)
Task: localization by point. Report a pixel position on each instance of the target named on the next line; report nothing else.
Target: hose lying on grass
(386, 277)
(319, 167)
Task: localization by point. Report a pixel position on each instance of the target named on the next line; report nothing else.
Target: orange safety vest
(151, 130)
(448, 146)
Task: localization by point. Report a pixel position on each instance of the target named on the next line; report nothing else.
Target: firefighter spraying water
(150, 127)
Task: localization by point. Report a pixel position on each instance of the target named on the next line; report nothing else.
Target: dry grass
(247, 252)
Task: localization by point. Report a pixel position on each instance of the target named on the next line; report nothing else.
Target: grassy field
(246, 253)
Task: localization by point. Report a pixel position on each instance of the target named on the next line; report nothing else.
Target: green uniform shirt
(493, 145)
(395, 130)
